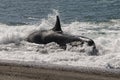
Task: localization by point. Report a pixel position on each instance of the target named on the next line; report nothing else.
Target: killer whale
(58, 36)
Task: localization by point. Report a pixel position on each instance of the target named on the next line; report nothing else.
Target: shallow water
(98, 20)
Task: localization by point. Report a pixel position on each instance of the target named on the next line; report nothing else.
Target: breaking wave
(105, 34)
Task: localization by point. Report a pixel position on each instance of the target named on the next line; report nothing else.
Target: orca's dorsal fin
(57, 26)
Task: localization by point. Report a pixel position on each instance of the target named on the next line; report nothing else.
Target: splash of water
(105, 34)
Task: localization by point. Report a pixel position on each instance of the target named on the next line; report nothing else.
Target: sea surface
(95, 19)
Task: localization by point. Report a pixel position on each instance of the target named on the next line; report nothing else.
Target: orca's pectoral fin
(57, 26)
(63, 46)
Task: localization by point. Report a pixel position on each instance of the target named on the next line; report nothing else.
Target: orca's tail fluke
(57, 26)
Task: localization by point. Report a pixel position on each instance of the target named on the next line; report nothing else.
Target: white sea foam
(106, 36)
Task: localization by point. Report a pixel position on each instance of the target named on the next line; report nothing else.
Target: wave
(105, 34)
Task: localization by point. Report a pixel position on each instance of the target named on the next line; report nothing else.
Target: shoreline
(18, 70)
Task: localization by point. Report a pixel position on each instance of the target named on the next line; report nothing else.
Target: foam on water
(105, 34)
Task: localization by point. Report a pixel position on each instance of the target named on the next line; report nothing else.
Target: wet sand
(18, 70)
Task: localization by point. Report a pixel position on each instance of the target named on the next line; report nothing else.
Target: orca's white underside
(18, 70)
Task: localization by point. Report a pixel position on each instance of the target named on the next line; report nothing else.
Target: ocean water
(95, 19)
